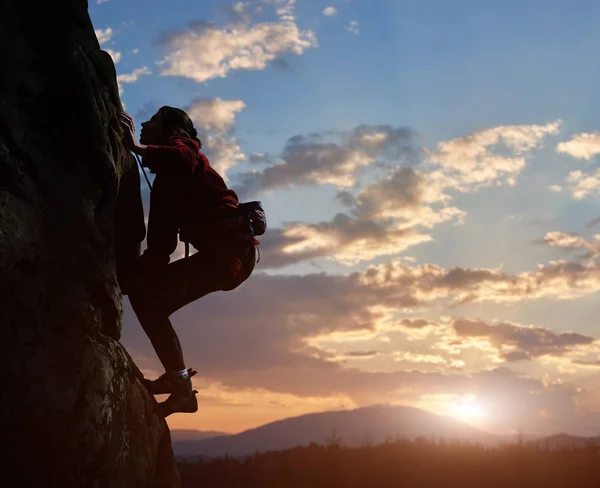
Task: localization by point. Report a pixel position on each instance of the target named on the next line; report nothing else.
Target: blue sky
(462, 137)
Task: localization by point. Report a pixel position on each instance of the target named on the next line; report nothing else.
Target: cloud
(581, 146)
(428, 283)
(215, 120)
(401, 189)
(347, 240)
(115, 55)
(237, 12)
(329, 11)
(214, 114)
(282, 65)
(104, 35)
(465, 163)
(514, 356)
(353, 27)
(386, 218)
(223, 152)
(261, 158)
(472, 161)
(362, 354)
(555, 188)
(417, 323)
(132, 77)
(517, 342)
(571, 242)
(307, 163)
(594, 364)
(394, 212)
(418, 358)
(592, 223)
(410, 196)
(330, 157)
(580, 184)
(567, 241)
(206, 51)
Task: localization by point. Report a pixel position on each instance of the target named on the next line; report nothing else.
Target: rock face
(73, 412)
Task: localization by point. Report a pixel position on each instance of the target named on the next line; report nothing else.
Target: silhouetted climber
(190, 198)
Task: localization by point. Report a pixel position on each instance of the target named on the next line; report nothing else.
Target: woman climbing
(189, 198)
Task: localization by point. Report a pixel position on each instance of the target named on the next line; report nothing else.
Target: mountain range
(374, 424)
(184, 435)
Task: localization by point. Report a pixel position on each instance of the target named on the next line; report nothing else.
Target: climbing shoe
(179, 402)
(170, 382)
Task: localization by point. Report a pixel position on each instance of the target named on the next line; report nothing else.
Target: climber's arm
(173, 168)
(173, 158)
(139, 149)
(154, 157)
(129, 140)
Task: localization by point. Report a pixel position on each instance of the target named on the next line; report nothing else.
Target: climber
(190, 198)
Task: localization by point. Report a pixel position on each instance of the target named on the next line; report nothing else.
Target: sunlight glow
(467, 408)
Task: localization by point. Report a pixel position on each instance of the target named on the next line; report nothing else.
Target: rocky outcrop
(73, 411)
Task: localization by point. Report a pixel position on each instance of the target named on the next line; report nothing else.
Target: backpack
(255, 215)
(242, 223)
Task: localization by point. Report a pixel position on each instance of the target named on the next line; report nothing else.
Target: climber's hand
(128, 131)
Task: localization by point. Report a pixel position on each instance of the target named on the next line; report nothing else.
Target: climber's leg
(179, 403)
(162, 293)
(159, 330)
(179, 284)
(187, 280)
(203, 273)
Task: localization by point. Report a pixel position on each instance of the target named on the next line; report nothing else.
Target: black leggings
(179, 283)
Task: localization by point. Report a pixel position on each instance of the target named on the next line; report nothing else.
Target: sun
(467, 408)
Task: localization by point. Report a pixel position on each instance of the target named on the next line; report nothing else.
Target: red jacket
(181, 170)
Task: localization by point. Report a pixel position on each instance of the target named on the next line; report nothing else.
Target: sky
(430, 175)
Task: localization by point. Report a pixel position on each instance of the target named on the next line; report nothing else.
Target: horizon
(430, 178)
(176, 432)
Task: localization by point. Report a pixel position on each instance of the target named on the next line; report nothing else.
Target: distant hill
(184, 435)
(565, 440)
(354, 427)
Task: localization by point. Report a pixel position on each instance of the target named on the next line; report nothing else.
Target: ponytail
(178, 122)
(194, 135)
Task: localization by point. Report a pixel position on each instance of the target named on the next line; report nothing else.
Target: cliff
(73, 411)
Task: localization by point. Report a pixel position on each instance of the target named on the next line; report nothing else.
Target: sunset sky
(430, 175)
